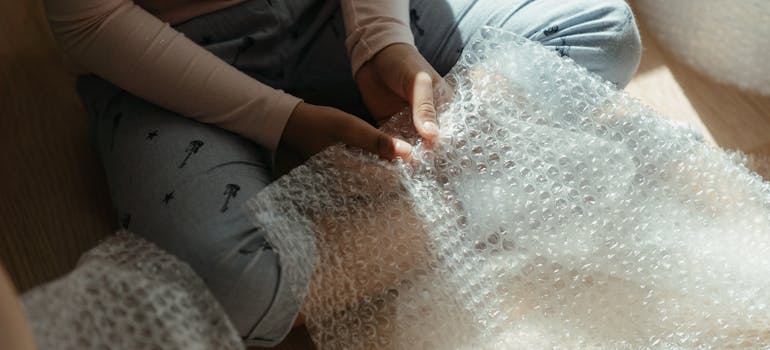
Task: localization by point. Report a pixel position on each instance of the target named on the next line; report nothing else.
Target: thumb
(423, 110)
(360, 134)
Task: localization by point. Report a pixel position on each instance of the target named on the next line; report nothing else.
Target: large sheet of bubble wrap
(727, 39)
(128, 294)
(555, 212)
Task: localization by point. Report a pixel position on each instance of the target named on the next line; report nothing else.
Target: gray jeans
(180, 183)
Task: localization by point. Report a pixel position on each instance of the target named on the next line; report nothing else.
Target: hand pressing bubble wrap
(555, 212)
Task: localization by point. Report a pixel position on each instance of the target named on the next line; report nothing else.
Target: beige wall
(53, 198)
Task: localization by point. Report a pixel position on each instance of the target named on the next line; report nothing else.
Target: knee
(621, 44)
(600, 35)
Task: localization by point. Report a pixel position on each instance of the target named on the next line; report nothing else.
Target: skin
(396, 77)
(15, 333)
(405, 252)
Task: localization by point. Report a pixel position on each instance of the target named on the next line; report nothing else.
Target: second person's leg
(599, 35)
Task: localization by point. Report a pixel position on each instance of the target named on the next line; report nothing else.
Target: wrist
(389, 58)
(363, 47)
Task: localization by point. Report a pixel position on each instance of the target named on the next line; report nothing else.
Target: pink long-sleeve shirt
(132, 45)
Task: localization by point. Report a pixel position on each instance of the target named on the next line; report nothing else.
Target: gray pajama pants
(180, 183)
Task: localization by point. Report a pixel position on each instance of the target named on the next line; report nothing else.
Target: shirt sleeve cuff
(367, 41)
(269, 130)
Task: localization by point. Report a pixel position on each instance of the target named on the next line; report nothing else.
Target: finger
(360, 134)
(379, 100)
(423, 110)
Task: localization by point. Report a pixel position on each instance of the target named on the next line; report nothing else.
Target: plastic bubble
(559, 214)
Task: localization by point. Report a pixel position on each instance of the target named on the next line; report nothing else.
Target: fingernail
(403, 147)
(430, 127)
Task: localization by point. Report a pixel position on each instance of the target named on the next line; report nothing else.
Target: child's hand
(397, 76)
(312, 128)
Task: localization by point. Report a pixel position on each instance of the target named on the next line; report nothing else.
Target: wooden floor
(54, 197)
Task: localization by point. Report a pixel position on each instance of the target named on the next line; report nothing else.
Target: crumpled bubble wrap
(128, 294)
(555, 212)
(726, 39)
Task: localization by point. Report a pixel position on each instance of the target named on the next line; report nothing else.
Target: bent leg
(599, 35)
(180, 184)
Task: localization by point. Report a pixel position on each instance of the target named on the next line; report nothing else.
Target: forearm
(136, 51)
(372, 25)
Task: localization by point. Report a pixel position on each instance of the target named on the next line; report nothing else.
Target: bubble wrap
(128, 294)
(727, 39)
(555, 212)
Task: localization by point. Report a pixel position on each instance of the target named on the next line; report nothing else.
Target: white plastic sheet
(555, 212)
(126, 293)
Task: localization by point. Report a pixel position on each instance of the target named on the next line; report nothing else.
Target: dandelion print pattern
(551, 30)
(168, 197)
(191, 149)
(231, 190)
